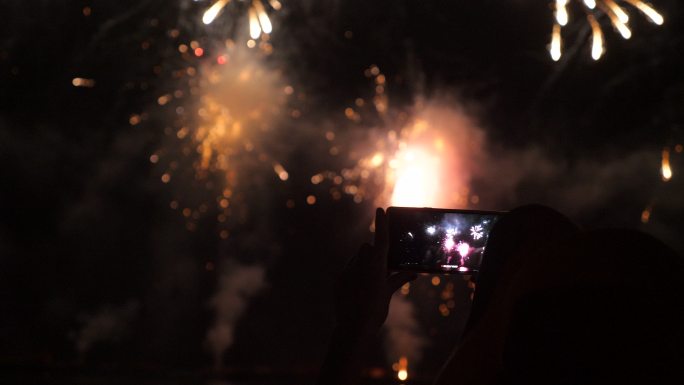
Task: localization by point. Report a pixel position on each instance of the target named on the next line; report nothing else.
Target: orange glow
(213, 11)
(275, 4)
(555, 49)
(617, 22)
(597, 38)
(377, 160)
(562, 12)
(406, 288)
(401, 368)
(83, 82)
(646, 214)
(647, 10)
(444, 310)
(254, 28)
(619, 12)
(264, 21)
(417, 178)
(280, 171)
(665, 169)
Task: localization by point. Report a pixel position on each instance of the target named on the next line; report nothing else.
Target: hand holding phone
(438, 241)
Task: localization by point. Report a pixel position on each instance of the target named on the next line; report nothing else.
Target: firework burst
(477, 232)
(228, 102)
(595, 10)
(259, 22)
(416, 157)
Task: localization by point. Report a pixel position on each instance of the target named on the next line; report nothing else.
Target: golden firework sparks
(665, 170)
(259, 22)
(83, 82)
(556, 41)
(213, 11)
(616, 12)
(219, 136)
(597, 38)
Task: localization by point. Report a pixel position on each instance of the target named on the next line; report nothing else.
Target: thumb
(395, 281)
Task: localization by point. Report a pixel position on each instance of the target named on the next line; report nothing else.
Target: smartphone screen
(438, 240)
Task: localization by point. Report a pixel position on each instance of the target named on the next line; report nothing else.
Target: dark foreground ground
(30, 376)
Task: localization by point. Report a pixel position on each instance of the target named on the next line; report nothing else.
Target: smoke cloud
(109, 324)
(403, 336)
(576, 188)
(237, 285)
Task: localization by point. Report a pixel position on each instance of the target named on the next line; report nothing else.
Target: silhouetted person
(553, 305)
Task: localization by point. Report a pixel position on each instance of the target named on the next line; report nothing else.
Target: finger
(381, 235)
(395, 281)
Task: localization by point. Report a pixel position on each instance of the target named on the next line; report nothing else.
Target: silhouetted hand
(556, 304)
(362, 300)
(365, 287)
(522, 247)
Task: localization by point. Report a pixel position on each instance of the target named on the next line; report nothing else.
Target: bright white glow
(665, 169)
(647, 10)
(619, 12)
(619, 25)
(213, 11)
(597, 38)
(264, 21)
(476, 232)
(377, 159)
(591, 4)
(254, 28)
(417, 179)
(431, 230)
(463, 248)
(402, 374)
(624, 30)
(410, 234)
(555, 49)
(449, 243)
(562, 12)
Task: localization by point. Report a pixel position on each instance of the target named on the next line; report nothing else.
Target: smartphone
(438, 241)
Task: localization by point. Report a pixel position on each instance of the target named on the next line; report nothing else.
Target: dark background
(91, 252)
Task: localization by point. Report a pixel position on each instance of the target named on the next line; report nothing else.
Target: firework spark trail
(597, 38)
(665, 169)
(213, 11)
(616, 13)
(257, 15)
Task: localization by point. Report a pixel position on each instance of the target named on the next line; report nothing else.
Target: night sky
(136, 238)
